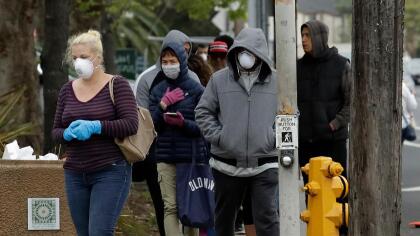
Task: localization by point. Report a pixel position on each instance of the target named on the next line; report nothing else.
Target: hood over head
(319, 36)
(180, 53)
(174, 36)
(253, 40)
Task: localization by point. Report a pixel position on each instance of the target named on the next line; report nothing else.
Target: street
(411, 180)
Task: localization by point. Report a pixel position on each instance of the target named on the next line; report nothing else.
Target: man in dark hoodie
(236, 115)
(324, 88)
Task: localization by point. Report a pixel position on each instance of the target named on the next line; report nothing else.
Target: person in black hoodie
(324, 88)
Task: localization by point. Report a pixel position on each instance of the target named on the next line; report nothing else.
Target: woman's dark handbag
(195, 194)
(409, 133)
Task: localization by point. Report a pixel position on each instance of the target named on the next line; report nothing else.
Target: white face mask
(203, 56)
(171, 71)
(246, 60)
(84, 68)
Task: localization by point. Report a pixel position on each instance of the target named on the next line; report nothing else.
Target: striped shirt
(119, 120)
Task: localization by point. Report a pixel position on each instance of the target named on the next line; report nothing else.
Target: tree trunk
(108, 42)
(375, 144)
(53, 65)
(17, 59)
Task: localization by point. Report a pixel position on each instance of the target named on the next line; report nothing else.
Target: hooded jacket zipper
(247, 130)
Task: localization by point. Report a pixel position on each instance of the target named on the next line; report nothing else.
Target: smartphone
(171, 114)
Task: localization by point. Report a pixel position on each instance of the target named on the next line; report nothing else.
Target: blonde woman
(97, 177)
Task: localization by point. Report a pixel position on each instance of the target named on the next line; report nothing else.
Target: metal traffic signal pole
(287, 117)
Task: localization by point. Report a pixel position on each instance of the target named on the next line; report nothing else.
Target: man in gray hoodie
(236, 115)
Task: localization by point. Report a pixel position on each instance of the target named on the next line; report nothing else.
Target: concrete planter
(20, 180)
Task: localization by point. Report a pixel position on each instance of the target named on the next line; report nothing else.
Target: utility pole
(287, 119)
(375, 144)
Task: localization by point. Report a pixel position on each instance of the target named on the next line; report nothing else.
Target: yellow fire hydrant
(324, 215)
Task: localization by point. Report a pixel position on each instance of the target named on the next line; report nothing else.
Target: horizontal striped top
(119, 120)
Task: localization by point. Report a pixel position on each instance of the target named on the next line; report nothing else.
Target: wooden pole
(375, 143)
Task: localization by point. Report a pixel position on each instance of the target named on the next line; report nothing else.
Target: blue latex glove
(83, 129)
(68, 134)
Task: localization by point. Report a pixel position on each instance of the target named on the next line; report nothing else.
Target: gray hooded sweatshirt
(240, 124)
(145, 80)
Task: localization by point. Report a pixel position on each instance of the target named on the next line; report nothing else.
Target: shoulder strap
(111, 90)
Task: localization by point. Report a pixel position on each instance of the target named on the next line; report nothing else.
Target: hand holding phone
(171, 113)
(172, 118)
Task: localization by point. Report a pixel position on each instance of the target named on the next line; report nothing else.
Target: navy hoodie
(178, 144)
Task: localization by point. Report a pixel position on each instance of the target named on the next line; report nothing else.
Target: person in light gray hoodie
(236, 115)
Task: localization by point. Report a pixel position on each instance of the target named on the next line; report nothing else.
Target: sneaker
(239, 230)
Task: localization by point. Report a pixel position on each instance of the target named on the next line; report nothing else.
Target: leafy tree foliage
(412, 16)
(132, 21)
(344, 6)
(200, 9)
(412, 26)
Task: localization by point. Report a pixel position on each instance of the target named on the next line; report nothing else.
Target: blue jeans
(96, 199)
